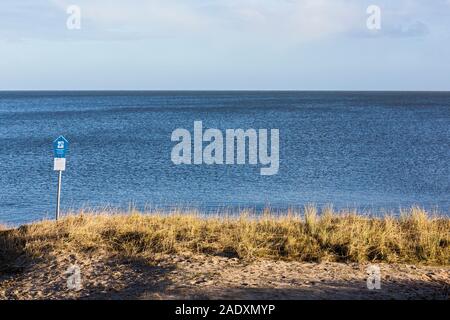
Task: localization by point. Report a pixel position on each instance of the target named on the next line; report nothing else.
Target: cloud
(404, 30)
(415, 29)
(296, 19)
(240, 20)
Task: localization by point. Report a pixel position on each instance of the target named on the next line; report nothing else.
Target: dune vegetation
(414, 237)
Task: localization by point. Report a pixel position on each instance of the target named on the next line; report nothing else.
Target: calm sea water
(369, 151)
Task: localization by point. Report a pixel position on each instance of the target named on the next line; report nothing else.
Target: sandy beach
(211, 277)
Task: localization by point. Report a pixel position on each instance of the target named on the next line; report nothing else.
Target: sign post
(60, 148)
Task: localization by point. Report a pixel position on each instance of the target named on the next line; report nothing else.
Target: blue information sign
(60, 147)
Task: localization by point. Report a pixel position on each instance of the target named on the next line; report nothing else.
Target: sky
(224, 45)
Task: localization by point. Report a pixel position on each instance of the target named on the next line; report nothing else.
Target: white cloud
(301, 19)
(231, 20)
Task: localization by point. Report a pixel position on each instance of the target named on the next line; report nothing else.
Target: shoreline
(234, 212)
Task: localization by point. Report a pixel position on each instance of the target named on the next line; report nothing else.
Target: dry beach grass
(270, 251)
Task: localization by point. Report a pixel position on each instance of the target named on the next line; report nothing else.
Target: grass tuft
(414, 237)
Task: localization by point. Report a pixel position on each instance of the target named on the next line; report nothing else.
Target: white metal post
(58, 196)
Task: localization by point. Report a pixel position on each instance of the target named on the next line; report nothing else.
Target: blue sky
(225, 44)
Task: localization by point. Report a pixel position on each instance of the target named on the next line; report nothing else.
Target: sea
(375, 152)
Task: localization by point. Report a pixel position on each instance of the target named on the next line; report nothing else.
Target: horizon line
(217, 90)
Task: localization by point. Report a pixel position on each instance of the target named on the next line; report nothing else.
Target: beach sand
(193, 276)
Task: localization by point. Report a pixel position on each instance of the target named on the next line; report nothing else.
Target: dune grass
(415, 237)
